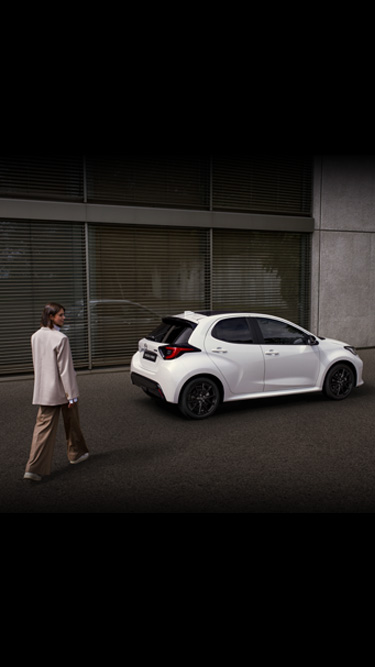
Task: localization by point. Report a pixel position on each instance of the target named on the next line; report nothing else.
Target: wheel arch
(209, 376)
(341, 362)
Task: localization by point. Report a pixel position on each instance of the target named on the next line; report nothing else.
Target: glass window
(141, 180)
(40, 262)
(281, 333)
(58, 177)
(262, 272)
(138, 276)
(264, 183)
(172, 333)
(236, 330)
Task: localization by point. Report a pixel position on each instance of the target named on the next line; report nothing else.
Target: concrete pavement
(294, 454)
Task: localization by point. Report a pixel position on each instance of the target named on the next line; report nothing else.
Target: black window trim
(257, 334)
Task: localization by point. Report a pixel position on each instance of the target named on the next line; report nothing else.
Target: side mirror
(311, 340)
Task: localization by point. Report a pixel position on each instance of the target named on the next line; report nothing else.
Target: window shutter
(39, 263)
(137, 276)
(262, 184)
(58, 178)
(163, 181)
(262, 272)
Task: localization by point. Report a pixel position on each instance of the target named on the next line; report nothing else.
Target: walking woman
(55, 389)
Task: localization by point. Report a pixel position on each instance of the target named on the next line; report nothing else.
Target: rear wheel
(200, 398)
(339, 382)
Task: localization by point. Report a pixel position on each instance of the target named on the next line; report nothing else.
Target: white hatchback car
(198, 360)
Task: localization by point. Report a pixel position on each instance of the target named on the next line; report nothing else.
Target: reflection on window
(280, 333)
(234, 330)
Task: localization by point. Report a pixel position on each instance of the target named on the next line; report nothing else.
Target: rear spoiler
(179, 320)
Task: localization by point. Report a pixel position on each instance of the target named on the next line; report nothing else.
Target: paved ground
(303, 454)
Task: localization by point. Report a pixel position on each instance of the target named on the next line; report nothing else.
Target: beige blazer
(54, 375)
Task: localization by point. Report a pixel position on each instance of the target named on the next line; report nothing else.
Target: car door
(291, 362)
(230, 345)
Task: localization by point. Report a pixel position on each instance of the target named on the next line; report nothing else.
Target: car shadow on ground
(171, 411)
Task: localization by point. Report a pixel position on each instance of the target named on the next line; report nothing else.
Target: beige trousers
(42, 446)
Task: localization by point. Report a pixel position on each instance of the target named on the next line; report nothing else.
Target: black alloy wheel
(200, 398)
(339, 382)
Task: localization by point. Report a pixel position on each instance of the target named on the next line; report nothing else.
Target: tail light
(168, 352)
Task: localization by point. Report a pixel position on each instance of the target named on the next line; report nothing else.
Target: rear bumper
(147, 385)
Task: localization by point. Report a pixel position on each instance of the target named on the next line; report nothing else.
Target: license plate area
(150, 356)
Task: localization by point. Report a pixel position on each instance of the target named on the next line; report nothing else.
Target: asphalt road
(300, 454)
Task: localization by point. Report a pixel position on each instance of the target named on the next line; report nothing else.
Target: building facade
(343, 248)
(121, 241)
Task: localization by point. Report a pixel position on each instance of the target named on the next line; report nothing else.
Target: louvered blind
(58, 178)
(162, 181)
(264, 272)
(40, 262)
(137, 276)
(265, 184)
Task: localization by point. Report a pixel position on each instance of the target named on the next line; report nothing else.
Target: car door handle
(271, 353)
(219, 350)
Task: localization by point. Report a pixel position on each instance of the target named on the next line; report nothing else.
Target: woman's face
(59, 318)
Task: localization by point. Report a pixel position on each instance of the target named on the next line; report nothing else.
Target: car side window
(236, 330)
(281, 333)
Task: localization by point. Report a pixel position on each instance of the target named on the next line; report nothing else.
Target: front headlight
(351, 349)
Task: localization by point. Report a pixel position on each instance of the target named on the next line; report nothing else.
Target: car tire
(340, 382)
(200, 398)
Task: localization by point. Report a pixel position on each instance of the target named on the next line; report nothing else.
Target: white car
(199, 360)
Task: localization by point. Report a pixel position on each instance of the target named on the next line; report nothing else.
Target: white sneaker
(33, 476)
(84, 457)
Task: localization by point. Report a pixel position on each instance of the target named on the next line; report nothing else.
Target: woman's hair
(50, 309)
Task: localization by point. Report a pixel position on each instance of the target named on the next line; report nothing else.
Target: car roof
(196, 317)
(208, 317)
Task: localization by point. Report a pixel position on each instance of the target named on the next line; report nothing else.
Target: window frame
(252, 333)
(265, 341)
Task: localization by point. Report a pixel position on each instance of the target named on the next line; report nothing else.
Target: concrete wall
(343, 253)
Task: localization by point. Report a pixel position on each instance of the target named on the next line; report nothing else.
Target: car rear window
(172, 332)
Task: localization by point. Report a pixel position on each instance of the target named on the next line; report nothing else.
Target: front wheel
(200, 398)
(339, 382)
